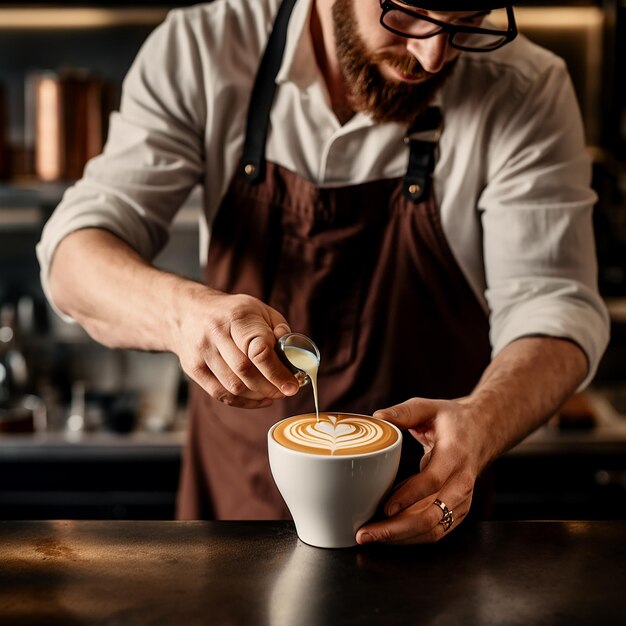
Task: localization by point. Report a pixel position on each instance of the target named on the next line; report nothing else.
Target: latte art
(335, 434)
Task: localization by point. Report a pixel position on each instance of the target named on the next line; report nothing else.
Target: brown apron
(365, 271)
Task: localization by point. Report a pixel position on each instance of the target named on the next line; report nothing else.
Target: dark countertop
(258, 573)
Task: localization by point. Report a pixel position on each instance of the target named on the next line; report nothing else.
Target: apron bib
(364, 270)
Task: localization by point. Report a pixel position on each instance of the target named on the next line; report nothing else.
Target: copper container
(4, 147)
(69, 123)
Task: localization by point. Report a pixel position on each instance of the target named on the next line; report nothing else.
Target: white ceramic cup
(331, 497)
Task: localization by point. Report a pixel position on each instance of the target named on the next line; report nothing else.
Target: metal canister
(4, 147)
(70, 117)
(301, 343)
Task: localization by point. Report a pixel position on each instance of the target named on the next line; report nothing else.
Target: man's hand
(448, 471)
(225, 343)
(519, 391)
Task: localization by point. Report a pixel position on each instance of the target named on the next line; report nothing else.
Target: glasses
(408, 23)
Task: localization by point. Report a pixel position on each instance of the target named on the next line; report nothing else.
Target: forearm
(120, 299)
(225, 343)
(521, 389)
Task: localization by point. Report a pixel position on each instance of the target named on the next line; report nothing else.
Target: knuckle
(197, 365)
(196, 368)
(216, 390)
(436, 483)
(238, 313)
(236, 386)
(421, 524)
(216, 326)
(245, 368)
(466, 485)
(384, 535)
(240, 307)
(434, 517)
(259, 350)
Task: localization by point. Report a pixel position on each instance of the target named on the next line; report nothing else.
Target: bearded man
(401, 180)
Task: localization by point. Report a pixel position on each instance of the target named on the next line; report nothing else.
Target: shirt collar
(298, 64)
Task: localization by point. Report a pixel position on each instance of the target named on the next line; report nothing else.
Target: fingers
(448, 472)
(227, 345)
(209, 382)
(443, 468)
(238, 374)
(420, 523)
(413, 517)
(278, 323)
(410, 414)
(255, 338)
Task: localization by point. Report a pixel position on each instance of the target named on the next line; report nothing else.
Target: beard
(369, 91)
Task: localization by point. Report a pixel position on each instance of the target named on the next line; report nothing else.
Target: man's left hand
(453, 443)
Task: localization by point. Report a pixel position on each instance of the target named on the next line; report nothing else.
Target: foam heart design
(334, 430)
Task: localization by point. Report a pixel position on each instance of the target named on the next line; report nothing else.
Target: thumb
(409, 414)
(278, 323)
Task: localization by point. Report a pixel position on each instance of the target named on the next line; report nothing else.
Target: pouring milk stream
(308, 362)
(329, 433)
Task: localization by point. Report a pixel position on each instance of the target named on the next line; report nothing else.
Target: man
(402, 181)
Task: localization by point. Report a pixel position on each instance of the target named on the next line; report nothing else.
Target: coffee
(333, 474)
(335, 434)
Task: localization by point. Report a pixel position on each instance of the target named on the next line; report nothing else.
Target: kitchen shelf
(30, 193)
(68, 18)
(12, 219)
(26, 206)
(107, 4)
(92, 446)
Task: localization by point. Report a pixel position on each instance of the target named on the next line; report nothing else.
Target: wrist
(483, 412)
(179, 296)
(184, 298)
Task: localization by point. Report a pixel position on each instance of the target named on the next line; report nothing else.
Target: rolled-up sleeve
(153, 156)
(538, 243)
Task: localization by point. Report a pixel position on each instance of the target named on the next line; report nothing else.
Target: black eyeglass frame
(509, 34)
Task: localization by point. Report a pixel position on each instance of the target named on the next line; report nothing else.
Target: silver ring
(447, 518)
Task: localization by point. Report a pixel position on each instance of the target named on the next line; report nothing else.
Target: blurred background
(88, 432)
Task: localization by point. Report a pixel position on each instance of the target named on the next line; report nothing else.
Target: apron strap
(417, 181)
(418, 178)
(253, 159)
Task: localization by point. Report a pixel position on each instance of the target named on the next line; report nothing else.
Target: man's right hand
(225, 343)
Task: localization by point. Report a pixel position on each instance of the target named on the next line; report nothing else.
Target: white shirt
(512, 178)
